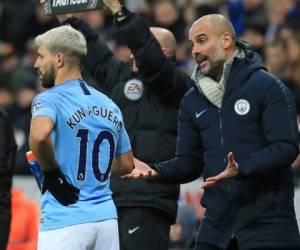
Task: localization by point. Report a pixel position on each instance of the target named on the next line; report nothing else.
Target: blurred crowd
(271, 26)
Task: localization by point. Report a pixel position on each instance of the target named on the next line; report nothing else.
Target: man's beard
(216, 66)
(48, 79)
(213, 70)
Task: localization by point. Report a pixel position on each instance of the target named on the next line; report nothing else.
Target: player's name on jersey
(57, 7)
(102, 112)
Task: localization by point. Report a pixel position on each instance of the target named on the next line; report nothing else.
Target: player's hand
(231, 170)
(57, 185)
(141, 171)
(61, 18)
(114, 5)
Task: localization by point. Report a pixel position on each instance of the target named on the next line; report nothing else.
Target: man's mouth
(201, 61)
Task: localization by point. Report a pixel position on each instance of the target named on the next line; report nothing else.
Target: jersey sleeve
(123, 144)
(42, 106)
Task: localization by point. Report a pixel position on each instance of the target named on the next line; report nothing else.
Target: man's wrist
(116, 9)
(153, 166)
(51, 173)
(70, 20)
(120, 14)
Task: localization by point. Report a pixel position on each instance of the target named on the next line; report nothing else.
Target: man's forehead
(43, 49)
(199, 28)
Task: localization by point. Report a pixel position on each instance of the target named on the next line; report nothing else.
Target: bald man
(148, 91)
(167, 43)
(166, 40)
(237, 128)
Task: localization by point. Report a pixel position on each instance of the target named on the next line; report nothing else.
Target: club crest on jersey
(36, 107)
(133, 89)
(242, 107)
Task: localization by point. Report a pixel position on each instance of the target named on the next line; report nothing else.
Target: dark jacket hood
(252, 60)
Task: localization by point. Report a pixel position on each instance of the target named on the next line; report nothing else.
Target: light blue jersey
(88, 133)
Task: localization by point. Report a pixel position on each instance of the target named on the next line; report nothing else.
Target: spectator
(168, 15)
(255, 35)
(276, 59)
(7, 159)
(182, 234)
(21, 120)
(244, 13)
(293, 55)
(25, 222)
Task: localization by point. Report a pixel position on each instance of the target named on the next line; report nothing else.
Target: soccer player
(78, 137)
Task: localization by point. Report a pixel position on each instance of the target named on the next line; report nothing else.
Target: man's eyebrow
(200, 35)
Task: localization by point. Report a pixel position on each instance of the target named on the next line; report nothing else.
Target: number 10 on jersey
(83, 134)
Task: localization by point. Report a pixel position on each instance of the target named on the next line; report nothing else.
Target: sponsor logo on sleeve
(36, 107)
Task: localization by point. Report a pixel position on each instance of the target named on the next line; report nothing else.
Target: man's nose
(195, 54)
(195, 51)
(36, 65)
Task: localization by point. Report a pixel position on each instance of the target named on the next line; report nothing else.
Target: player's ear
(60, 60)
(226, 40)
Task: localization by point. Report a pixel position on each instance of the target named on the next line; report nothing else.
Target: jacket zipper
(221, 132)
(233, 233)
(224, 159)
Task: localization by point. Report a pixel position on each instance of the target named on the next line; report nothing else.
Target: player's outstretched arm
(122, 164)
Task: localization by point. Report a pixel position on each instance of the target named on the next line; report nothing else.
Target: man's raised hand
(231, 170)
(113, 5)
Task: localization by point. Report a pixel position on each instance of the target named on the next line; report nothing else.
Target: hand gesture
(113, 5)
(141, 170)
(231, 170)
(61, 18)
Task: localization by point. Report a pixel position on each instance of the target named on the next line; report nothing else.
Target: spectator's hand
(61, 18)
(56, 183)
(114, 5)
(141, 171)
(231, 170)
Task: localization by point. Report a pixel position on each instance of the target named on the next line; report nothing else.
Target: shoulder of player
(113, 106)
(48, 96)
(103, 100)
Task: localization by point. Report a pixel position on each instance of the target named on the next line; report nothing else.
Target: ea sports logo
(242, 107)
(133, 89)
